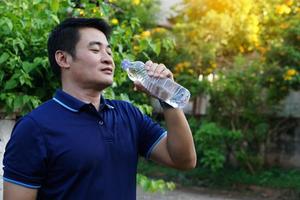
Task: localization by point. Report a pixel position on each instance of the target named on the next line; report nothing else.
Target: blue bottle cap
(125, 64)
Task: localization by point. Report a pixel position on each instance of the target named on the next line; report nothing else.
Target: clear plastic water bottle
(164, 89)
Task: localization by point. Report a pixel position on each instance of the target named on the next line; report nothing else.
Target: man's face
(93, 66)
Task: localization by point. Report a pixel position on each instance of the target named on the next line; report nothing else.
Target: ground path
(206, 194)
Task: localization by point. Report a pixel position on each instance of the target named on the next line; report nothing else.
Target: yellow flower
(209, 70)
(158, 30)
(289, 2)
(136, 2)
(214, 65)
(283, 9)
(284, 25)
(253, 38)
(262, 50)
(242, 49)
(81, 13)
(94, 10)
(145, 34)
(115, 21)
(179, 67)
(190, 71)
(291, 72)
(136, 48)
(186, 64)
(111, 1)
(287, 78)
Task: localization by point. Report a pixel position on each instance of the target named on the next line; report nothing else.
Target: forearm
(16, 192)
(180, 144)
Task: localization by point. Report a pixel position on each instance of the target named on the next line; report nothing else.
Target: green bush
(26, 79)
(151, 185)
(283, 73)
(214, 144)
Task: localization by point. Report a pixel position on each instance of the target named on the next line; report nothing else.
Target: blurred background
(239, 59)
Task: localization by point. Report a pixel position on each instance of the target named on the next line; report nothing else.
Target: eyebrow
(99, 44)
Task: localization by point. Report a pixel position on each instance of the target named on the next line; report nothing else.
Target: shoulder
(44, 114)
(123, 106)
(46, 107)
(25, 129)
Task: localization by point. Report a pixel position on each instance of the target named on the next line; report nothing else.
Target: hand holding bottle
(158, 70)
(157, 81)
(154, 70)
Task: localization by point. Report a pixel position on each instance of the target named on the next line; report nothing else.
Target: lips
(107, 70)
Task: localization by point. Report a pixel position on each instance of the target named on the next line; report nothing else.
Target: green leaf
(4, 57)
(144, 44)
(124, 97)
(1, 76)
(55, 18)
(36, 2)
(27, 66)
(54, 5)
(12, 83)
(18, 102)
(8, 22)
(146, 55)
(105, 8)
(156, 47)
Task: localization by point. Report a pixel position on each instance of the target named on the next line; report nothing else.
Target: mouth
(107, 70)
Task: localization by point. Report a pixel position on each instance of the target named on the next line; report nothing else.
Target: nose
(106, 58)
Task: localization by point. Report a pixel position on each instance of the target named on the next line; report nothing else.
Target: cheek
(89, 63)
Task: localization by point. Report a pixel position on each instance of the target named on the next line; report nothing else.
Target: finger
(166, 74)
(148, 64)
(159, 70)
(152, 69)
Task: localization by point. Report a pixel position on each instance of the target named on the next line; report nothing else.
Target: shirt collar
(73, 104)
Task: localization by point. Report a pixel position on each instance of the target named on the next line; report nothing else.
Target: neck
(86, 95)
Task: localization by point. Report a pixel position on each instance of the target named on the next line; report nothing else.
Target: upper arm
(16, 192)
(25, 155)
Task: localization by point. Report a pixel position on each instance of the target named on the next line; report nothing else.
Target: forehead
(86, 35)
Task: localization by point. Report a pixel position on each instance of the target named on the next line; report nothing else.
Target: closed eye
(95, 50)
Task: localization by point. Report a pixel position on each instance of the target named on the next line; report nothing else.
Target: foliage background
(26, 80)
(244, 55)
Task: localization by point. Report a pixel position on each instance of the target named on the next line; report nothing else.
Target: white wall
(6, 126)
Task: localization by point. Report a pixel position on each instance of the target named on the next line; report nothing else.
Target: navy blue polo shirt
(68, 150)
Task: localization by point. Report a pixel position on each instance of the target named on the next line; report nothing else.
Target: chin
(104, 84)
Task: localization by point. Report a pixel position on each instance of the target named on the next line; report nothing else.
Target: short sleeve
(25, 155)
(150, 134)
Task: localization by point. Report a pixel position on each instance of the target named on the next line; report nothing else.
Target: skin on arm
(177, 149)
(12, 191)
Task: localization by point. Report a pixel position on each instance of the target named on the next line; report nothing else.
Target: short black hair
(65, 36)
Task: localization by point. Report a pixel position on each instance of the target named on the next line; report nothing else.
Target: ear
(63, 59)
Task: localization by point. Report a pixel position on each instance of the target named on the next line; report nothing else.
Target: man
(79, 145)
